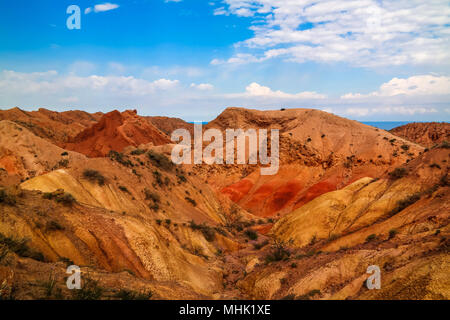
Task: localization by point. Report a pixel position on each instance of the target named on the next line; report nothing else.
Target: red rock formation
(115, 131)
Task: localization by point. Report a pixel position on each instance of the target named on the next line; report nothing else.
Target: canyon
(99, 190)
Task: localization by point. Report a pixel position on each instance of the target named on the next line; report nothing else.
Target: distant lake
(386, 125)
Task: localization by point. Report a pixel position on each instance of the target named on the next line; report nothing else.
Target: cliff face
(426, 134)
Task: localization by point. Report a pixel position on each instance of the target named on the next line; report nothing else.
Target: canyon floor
(99, 191)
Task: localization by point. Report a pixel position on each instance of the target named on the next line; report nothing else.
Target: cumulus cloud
(422, 97)
(362, 32)
(257, 90)
(413, 86)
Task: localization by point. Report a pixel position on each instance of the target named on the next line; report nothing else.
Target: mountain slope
(425, 133)
(319, 152)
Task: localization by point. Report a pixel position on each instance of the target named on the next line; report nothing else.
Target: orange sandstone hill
(53, 126)
(115, 131)
(319, 152)
(426, 134)
(349, 196)
(168, 125)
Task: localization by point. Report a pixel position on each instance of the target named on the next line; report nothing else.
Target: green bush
(94, 176)
(371, 237)
(405, 147)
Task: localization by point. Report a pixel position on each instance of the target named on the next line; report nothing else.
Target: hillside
(424, 133)
(319, 152)
(110, 200)
(56, 127)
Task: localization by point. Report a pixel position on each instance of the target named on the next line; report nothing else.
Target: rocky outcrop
(115, 131)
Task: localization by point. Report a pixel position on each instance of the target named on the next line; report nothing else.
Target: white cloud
(87, 10)
(394, 110)
(220, 11)
(361, 32)
(172, 1)
(105, 7)
(413, 86)
(202, 86)
(398, 99)
(256, 90)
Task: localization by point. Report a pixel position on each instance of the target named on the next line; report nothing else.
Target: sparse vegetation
(251, 234)
(90, 290)
(138, 152)
(20, 247)
(403, 204)
(192, 201)
(392, 233)
(309, 295)
(53, 226)
(64, 163)
(435, 165)
(279, 252)
(60, 196)
(7, 198)
(160, 160)
(120, 158)
(94, 176)
(158, 177)
(124, 189)
(260, 245)
(208, 232)
(153, 196)
(398, 173)
(125, 294)
(371, 237)
(444, 145)
(405, 147)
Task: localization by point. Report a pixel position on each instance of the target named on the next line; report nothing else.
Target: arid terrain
(100, 191)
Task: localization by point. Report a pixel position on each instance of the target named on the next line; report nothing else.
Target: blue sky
(365, 60)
